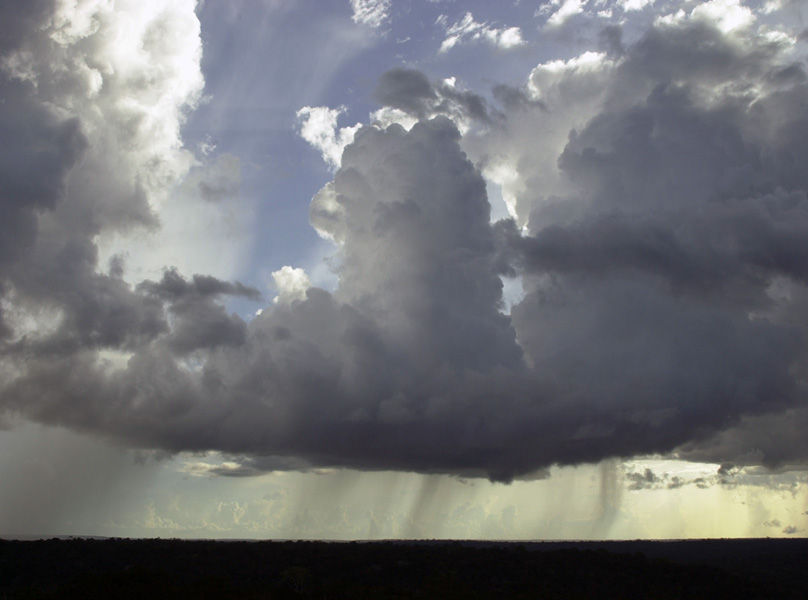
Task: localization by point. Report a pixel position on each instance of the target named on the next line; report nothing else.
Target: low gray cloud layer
(660, 217)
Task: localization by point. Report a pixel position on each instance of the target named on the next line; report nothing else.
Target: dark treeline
(124, 568)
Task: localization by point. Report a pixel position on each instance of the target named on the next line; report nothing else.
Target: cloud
(660, 215)
(772, 440)
(174, 288)
(203, 225)
(642, 480)
(291, 284)
(373, 13)
(318, 126)
(712, 158)
(468, 30)
(727, 15)
(559, 96)
(108, 91)
(580, 96)
(94, 100)
(243, 466)
(416, 312)
(198, 320)
(227, 468)
(566, 10)
(701, 476)
(407, 95)
(630, 5)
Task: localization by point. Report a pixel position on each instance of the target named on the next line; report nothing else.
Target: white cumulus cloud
(630, 5)
(727, 15)
(468, 30)
(291, 284)
(568, 9)
(370, 12)
(318, 126)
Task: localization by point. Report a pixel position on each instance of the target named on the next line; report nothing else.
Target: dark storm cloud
(411, 91)
(199, 321)
(64, 181)
(610, 40)
(19, 18)
(649, 480)
(664, 276)
(687, 212)
(771, 440)
(644, 480)
(727, 475)
(48, 256)
(38, 153)
(248, 466)
(695, 53)
(610, 244)
(513, 98)
(174, 287)
(406, 89)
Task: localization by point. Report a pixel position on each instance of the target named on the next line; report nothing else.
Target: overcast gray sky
(416, 268)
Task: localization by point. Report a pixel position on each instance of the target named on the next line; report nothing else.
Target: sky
(372, 269)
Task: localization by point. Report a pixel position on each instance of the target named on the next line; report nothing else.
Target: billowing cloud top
(660, 217)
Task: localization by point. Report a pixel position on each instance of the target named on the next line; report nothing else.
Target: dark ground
(123, 568)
